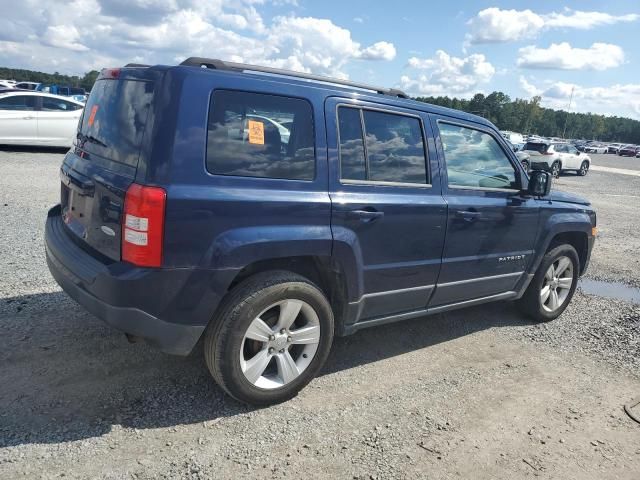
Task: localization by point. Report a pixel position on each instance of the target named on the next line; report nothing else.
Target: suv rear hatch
(101, 166)
(536, 148)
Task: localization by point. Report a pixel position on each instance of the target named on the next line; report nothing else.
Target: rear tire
(556, 168)
(525, 165)
(553, 285)
(270, 338)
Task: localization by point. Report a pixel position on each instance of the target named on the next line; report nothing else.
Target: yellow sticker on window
(256, 132)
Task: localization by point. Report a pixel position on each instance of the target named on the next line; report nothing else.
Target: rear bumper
(170, 308)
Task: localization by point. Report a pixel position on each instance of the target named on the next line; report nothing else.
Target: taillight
(143, 225)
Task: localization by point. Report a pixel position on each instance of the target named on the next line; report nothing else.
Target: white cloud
(494, 25)
(618, 99)
(379, 51)
(586, 20)
(448, 75)
(600, 56)
(63, 36)
(75, 37)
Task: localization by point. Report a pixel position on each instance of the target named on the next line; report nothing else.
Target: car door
(18, 123)
(572, 158)
(561, 151)
(491, 226)
(57, 121)
(388, 213)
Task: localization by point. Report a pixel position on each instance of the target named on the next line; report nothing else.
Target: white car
(38, 119)
(596, 148)
(556, 158)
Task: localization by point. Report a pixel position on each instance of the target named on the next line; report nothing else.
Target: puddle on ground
(615, 290)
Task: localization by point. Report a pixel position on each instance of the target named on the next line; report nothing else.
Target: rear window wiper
(92, 139)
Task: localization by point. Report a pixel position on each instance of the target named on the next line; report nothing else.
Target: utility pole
(564, 130)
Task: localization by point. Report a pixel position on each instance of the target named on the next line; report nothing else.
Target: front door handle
(468, 215)
(28, 118)
(365, 216)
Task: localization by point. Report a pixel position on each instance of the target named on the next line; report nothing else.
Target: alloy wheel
(557, 283)
(280, 343)
(584, 168)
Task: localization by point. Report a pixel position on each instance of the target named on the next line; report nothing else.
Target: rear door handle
(365, 216)
(28, 118)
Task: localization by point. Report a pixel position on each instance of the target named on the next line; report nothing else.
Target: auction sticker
(256, 132)
(92, 116)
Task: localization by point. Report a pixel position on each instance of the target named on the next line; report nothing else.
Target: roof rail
(239, 67)
(131, 65)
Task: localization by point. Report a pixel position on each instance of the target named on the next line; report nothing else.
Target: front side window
(18, 102)
(258, 135)
(57, 105)
(474, 159)
(393, 149)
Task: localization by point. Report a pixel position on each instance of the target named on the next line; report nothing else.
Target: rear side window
(114, 119)
(474, 159)
(393, 149)
(538, 147)
(18, 102)
(258, 135)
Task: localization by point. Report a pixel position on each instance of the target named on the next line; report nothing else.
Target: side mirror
(539, 183)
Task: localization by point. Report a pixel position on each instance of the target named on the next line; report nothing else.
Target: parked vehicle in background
(628, 151)
(614, 147)
(513, 137)
(27, 85)
(175, 226)
(596, 148)
(38, 119)
(556, 158)
(65, 91)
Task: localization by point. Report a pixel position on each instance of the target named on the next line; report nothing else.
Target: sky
(455, 48)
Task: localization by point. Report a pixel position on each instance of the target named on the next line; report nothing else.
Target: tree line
(528, 117)
(20, 75)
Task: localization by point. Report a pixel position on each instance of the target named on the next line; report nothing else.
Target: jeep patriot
(264, 211)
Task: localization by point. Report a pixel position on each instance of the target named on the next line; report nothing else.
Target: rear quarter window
(259, 135)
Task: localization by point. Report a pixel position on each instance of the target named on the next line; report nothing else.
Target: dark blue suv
(266, 211)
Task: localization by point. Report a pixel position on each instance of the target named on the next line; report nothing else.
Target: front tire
(553, 285)
(584, 169)
(271, 337)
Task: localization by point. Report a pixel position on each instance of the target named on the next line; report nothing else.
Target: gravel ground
(476, 393)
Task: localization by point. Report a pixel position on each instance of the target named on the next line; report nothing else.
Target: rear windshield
(114, 119)
(538, 147)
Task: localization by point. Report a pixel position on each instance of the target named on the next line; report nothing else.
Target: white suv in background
(38, 119)
(556, 158)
